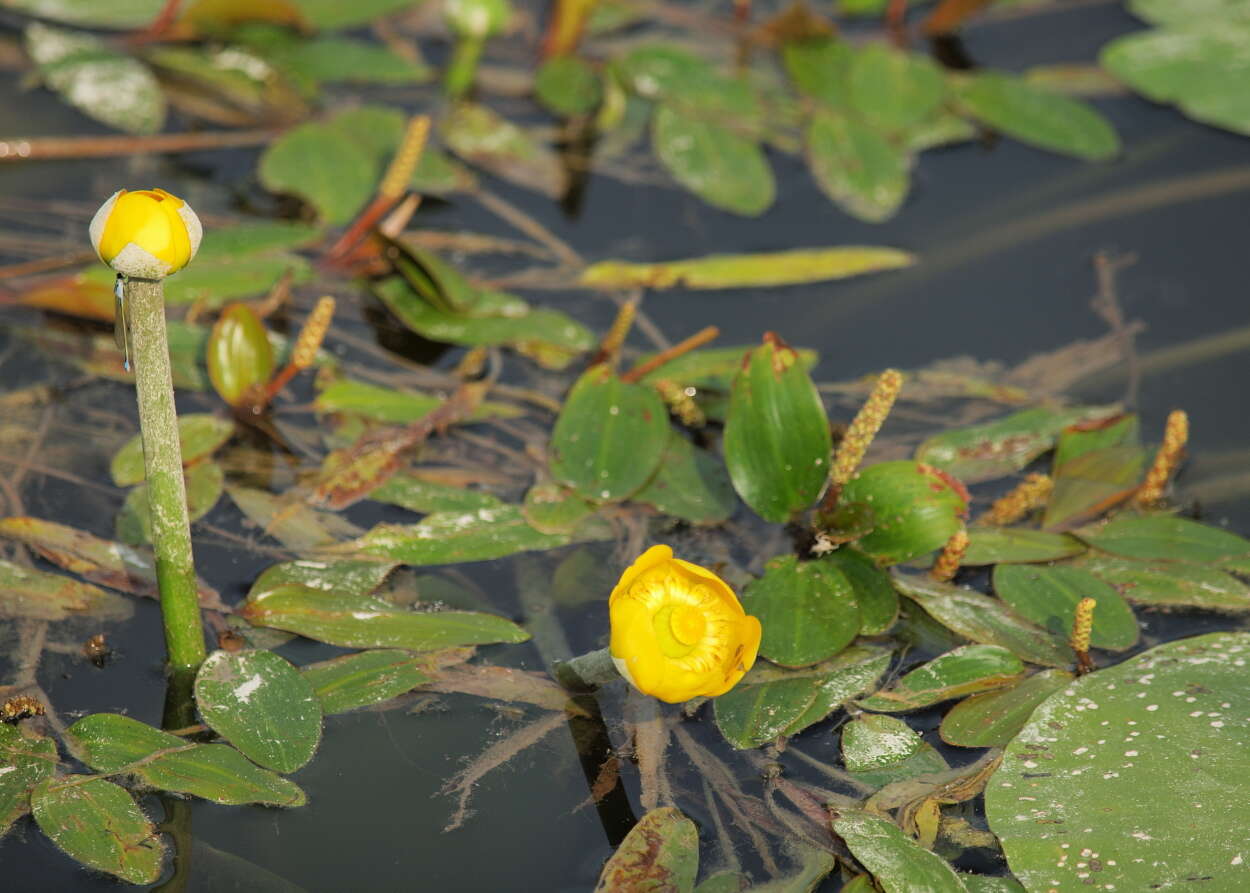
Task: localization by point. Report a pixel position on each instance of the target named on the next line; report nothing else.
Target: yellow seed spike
(1175, 436)
(951, 556)
(313, 333)
(1030, 493)
(864, 428)
(681, 403)
(616, 335)
(1082, 626)
(402, 166)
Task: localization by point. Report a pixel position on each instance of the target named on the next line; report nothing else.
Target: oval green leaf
(1049, 595)
(99, 824)
(874, 741)
(27, 759)
(908, 508)
(993, 718)
(966, 670)
(894, 89)
(1170, 583)
(1018, 545)
(898, 863)
(357, 680)
(1165, 538)
(807, 609)
(874, 593)
(726, 170)
(200, 434)
(239, 355)
(262, 705)
(690, 484)
(861, 171)
(323, 166)
(661, 852)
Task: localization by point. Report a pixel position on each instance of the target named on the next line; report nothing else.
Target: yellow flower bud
(678, 630)
(146, 234)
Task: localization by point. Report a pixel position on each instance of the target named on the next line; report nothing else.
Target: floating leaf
(101, 561)
(334, 59)
(96, 79)
(761, 270)
(119, 14)
(481, 136)
(322, 166)
(769, 702)
(898, 863)
(926, 761)
(1049, 595)
(862, 172)
(1140, 766)
(690, 484)
(726, 170)
(908, 509)
(395, 405)
(201, 434)
(240, 357)
(873, 742)
(262, 705)
(428, 497)
(358, 680)
(807, 609)
(98, 824)
(37, 595)
(996, 449)
(993, 718)
(257, 237)
(1018, 545)
(1165, 538)
(1170, 583)
(656, 71)
(1198, 64)
(610, 436)
(568, 86)
(894, 89)
(1092, 483)
(354, 621)
(345, 578)
(983, 619)
(874, 593)
(454, 537)
(26, 759)
(661, 852)
(109, 742)
(1039, 117)
(1115, 431)
(966, 670)
(819, 66)
(332, 14)
(777, 442)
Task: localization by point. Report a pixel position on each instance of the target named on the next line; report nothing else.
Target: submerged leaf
(38, 595)
(661, 852)
(99, 824)
(200, 435)
(358, 680)
(765, 269)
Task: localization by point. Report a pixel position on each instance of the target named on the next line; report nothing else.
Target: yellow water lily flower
(678, 630)
(147, 234)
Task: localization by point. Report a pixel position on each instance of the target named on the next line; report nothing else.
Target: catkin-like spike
(864, 428)
(681, 403)
(1175, 435)
(1082, 628)
(951, 556)
(612, 341)
(313, 333)
(399, 172)
(1030, 493)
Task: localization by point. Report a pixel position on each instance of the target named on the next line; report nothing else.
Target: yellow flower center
(678, 629)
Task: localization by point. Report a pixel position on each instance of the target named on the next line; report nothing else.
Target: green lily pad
(1134, 776)
(109, 742)
(609, 437)
(777, 442)
(1018, 545)
(993, 718)
(807, 609)
(661, 852)
(770, 702)
(1165, 538)
(1049, 595)
(357, 680)
(99, 824)
(262, 705)
(983, 619)
(354, 621)
(898, 863)
(966, 670)
(201, 435)
(874, 741)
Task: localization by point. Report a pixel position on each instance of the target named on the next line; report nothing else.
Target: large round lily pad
(1134, 777)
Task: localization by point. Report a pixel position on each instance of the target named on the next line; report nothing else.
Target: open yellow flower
(678, 630)
(147, 234)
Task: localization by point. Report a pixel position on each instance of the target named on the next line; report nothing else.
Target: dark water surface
(1006, 237)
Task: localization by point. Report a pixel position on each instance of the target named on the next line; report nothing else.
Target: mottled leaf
(906, 508)
(725, 169)
(966, 670)
(481, 136)
(873, 741)
(993, 718)
(38, 595)
(660, 853)
(1170, 583)
(99, 824)
(26, 759)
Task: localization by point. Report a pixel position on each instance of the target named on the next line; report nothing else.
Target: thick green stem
(162, 460)
(587, 671)
(463, 68)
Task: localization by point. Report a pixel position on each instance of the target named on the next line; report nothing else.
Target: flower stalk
(162, 461)
(860, 434)
(1167, 460)
(1029, 494)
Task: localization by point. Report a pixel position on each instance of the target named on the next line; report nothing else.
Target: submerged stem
(162, 460)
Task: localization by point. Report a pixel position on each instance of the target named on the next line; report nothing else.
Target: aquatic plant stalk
(951, 556)
(1029, 494)
(587, 671)
(463, 68)
(162, 460)
(1082, 629)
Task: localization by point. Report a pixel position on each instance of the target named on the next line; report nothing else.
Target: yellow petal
(654, 556)
(633, 641)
